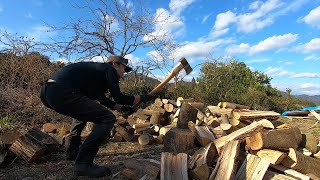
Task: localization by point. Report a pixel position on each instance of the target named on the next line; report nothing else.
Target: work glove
(127, 110)
(146, 98)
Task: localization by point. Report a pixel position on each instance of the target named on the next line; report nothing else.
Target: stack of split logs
(227, 141)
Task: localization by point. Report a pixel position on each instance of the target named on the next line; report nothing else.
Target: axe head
(186, 65)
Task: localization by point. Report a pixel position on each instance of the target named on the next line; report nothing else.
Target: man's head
(120, 64)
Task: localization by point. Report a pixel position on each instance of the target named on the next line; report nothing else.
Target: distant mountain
(315, 99)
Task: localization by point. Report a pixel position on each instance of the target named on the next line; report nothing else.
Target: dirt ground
(53, 166)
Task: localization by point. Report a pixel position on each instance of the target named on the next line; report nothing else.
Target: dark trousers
(68, 101)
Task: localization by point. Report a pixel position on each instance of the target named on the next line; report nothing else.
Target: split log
(168, 107)
(163, 130)
(255, 115)
(51, 143)
(174, 166)
(142, 167)
(178, 140)
(228, 161)
(290, 172)
(204, 135)
(267, 124)
(212, 121)
(198, 105)
(124, 134)
(234, 106)
(253, 168)
(202, 156)
(165, 101)
(155, 118)
(240, 134)
(301, 163)
(49, 128)
(270, 175)
(275, 139)
(145, 139)
(141, 125)
(315, 114)
(64, 129)
(158, 102)
(116, 137)
(181, 101)
(200, 173)
(28, 147)
(310, 142)
(187, 113)
(273, 156)
(217, 132)
(215, 110)
(224, 122)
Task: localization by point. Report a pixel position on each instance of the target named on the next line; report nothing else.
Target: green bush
(7, 121)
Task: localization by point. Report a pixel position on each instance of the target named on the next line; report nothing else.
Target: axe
(183, 64)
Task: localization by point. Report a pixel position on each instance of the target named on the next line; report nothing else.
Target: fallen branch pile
(227, 141)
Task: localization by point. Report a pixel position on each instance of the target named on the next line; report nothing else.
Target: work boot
(72, 147)
(91, 170)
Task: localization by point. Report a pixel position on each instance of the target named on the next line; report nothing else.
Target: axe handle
(174, 72)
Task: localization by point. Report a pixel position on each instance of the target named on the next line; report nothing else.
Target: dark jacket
(93, 79)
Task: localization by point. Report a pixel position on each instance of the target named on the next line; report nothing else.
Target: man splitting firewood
(73, 91)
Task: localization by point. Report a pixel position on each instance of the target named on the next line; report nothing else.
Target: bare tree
(17, 45)
(114, 27)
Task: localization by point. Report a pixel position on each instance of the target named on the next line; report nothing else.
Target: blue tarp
(302, 109)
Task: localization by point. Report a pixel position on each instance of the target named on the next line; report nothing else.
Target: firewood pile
(226, 141)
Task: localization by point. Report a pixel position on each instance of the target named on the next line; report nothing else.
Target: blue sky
(278, 37)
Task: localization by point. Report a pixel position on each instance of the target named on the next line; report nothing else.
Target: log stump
(179, 140)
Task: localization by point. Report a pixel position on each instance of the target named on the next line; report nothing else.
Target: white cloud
(177, 6)
(241, 48)
(199, 49)
(29, 16)
(133, 60)
(273, 42)
(311, 58)
(274, 72)
(63, 60)
(167, 25)
(309, 85)
(311, 92)
(205, 18)
(257, 61)
(41, 33)
(312, 46)
(224, 19)
(313, 18)
(306, 75)
(263, 15)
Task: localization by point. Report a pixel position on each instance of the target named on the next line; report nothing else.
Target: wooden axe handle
(175, 71)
